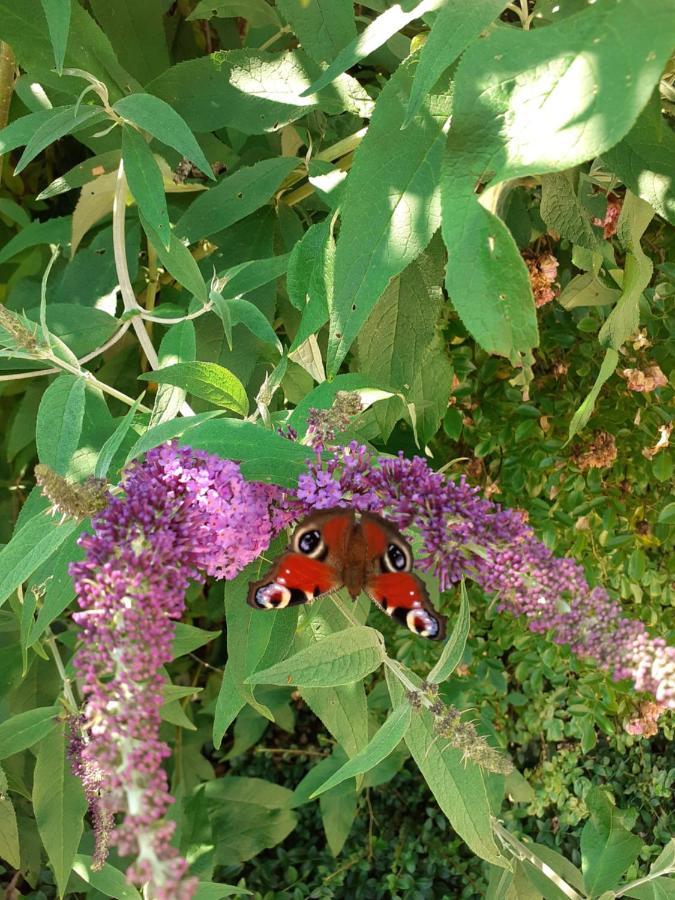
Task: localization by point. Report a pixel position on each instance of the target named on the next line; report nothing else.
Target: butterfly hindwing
(293, 579)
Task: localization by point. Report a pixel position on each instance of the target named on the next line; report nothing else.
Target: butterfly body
(360, 551)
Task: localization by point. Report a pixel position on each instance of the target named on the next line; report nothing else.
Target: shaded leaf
(607, 848)
(57, 13)
(107, 879)
(136, 32)
(9, 834)
(146, 182)
(63, 121)
(583, 413)
(59, 422)
(453, 651)
(323, 27)
(178, 345)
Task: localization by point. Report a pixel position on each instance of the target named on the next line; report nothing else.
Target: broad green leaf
(24, 28)
(81, 174)
(188, 638)
(20, 131)
(178, 261)
(146, 182)
(667, 514)
(233, 198)
(107, 879)
(397, 346)
(399, 201)
(563, 212)
(252, 274)
(52, 231)
(178, 345)
(341, 658)
(242, 312)
(338, 811)
(583, 413)
(384, 741)
(81, 329)
(13, 211)
(59, 422)
(658, 889)
(456, 25)
(310, 279)
(57, 13)
(256, 12)
(229, 704)
(373, 36)
(607, 848)
(264, 454)
(167, 431)
(549, 99)
(665, 861)
(253, 91)
(59, 805)
(206, 380)
(9, 833)
(254, 641)
(136, 32)
(211, 890)
(643, 160)
(114, 442)
(458, 786)
(453, 651)
(324, 27)
(163, 122)
(561, 866)
(624, 319)
(63, 121)
(59, 590)
(587, 290)
(29, 547)
(25, 729)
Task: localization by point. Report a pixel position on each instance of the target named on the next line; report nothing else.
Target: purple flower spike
(184, 514)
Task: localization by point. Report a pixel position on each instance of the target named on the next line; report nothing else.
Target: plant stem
(67, 689)
(7, 72)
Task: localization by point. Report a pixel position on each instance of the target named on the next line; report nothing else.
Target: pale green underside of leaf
(206, 380)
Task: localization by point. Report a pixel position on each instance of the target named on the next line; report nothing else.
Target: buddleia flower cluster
(184, 514)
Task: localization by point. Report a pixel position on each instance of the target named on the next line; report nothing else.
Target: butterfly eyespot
(272, 596)
(309, 542)
(420, 622)
(395, 559)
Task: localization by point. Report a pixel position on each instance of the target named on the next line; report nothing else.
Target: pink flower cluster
(185, 514)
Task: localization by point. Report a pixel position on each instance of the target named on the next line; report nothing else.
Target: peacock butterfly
(361, 551)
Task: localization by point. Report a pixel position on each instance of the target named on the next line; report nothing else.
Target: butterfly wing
(312, 564)
(392, 585)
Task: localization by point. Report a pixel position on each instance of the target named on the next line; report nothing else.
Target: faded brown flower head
(23, 337)
(643, 381)
(78, 501)
(644, 723)
(608, 224)
(600, 453)
(664, 441)
(543, 270)
(324, 424)
(560, 369)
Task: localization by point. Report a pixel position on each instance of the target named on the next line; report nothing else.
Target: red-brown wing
(293, 579)
(391, 583)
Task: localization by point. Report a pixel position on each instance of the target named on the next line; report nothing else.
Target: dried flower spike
(78, 501)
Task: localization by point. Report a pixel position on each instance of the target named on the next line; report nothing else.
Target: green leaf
(167, 431)
(59, 422)
(178, 345)
(115, 441)
(82, 329)
(384, 741)
(399, 201)
(206, 380)
(233, 198)
(667, 514)
(211, 890)
(665, 861)
(242, 312)
(59, 805)
(252, 274)
(25, 729)
(81, 174)
(65, 120)
(178, 261)
(256, 12)
(59, 591)
(188, 638)
(57, 13)
(453, 651)
(643, 160)
(229, 704)
(323, 27)
(29, 547)
(264, 455)
(549, 99)
(164, 123)
(453, 29)
(624, 319)
(373, 36)
(9, 834)
(658, 889)
(338, 811)
(137, 33)
(309, 280)
(583, 413)
(458, 786)
(607, 848)
(563, 212)
(106, 879)
(341, 658)
(587, 290)
(20, 131)
(253, 91)
(146, 182)
(52, 231)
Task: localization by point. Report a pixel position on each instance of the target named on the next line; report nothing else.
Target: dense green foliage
(214, 216)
